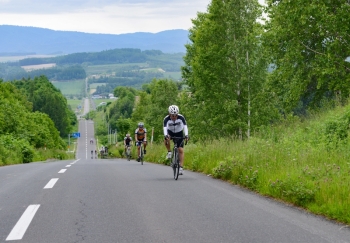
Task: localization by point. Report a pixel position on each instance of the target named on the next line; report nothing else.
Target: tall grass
(304, 163)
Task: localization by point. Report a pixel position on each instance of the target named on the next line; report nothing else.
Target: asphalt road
(115, 200)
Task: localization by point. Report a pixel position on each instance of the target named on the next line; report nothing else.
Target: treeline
(14, 71)
(125, 55)
(60, 73)
(34, 116)
(151, 106)
(229, 89)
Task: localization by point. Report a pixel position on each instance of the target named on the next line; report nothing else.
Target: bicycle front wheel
(141, 156)
(175, 164)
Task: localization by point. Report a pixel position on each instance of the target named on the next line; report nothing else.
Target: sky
(102, 16)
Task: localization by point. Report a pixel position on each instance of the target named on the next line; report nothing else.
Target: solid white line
(23, 223)
(62, 171)
(51, 183)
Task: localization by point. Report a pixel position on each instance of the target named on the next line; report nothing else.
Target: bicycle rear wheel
(175, 164)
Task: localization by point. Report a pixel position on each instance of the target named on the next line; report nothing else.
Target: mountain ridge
(22, 39)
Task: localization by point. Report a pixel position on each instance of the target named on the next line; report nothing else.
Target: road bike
(128, 152)
(175, 160)
(141, 153)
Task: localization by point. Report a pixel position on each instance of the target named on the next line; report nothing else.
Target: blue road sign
(76, 135)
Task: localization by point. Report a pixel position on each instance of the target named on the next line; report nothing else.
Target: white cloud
(102, 16)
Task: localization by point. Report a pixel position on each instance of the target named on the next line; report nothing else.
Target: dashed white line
(21, 227)
(68, 165)
(74, 162)
(51, 183)
(62, 171)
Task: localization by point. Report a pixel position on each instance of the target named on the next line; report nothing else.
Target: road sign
(76, 135)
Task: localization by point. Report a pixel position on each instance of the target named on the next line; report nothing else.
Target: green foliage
(307, 41)
(22, 131)
(294, 191)
(225, 71)
(46, 98)
(153, 107)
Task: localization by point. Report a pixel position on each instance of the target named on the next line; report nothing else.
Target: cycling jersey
(127, 140)
(172, 127)
(140, 134)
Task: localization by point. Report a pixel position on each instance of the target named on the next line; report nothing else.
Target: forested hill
(125, 55)
(18, 39)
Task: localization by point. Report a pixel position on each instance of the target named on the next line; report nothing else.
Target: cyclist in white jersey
(174, 125)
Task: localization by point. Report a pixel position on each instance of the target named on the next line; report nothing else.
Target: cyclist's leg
(138, 148)
(181, 156)
(167, 144)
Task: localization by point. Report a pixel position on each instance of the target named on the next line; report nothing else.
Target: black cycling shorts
(179, 142)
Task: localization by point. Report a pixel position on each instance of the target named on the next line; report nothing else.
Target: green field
(94, 85)
(173, 75)
(111, 68)
(75, 87)
(74, 103)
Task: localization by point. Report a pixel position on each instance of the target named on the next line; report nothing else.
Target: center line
(62, 171)
(51, 183)
(23, 223)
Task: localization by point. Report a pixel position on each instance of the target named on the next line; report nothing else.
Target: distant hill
(21, 40)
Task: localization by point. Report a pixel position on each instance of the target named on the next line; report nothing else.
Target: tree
(224, 70)
(152, 108)
(46, 98)
(308, 43)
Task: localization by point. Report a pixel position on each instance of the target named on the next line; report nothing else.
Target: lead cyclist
(174, 125)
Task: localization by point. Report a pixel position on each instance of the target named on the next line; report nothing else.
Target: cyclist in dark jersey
(141, 136)
(174, 125)
(127, 141)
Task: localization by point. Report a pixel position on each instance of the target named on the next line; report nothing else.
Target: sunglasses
(173, 115)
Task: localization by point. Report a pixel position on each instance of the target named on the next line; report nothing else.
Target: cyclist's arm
(185, 130)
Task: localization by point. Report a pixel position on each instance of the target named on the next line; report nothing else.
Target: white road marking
(74, 162)
(21, 227)
(62, 171)
(51, 183)
(68, 165)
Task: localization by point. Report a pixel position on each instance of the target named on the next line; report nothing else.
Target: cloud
(102, 16)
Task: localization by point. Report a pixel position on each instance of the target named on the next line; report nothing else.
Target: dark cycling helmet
(140, 124)
(173, 110)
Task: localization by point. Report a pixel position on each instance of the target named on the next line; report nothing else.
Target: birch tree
(223, 68)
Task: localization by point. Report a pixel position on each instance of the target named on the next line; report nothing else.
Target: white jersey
(176, 126)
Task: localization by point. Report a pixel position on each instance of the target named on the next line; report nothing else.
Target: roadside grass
(303, 163)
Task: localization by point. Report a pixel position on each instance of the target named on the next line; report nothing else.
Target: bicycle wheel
(141, 157)
(175, 164)
(128, 154)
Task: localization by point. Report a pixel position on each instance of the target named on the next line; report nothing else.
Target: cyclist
(141, 136)
(127, 142)
(174, 125)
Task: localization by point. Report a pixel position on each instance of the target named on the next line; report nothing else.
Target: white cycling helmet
(173, 110)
